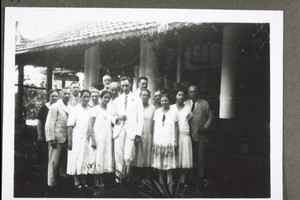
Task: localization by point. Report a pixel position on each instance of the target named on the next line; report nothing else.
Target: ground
(228, 175)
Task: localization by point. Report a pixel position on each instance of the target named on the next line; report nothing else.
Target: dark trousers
(199, 152)
(42, 154)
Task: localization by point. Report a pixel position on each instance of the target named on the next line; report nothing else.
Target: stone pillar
(179, 61)
(49, 77)
(136, 69)
(20, 106)
(149, 63)
(91, 66)
(239, 67)
(228, 92)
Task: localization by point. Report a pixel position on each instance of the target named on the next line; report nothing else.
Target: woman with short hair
(78, 141)
(95, 95)
(185, 153)
(144, 148)
(165, 140)
(100, 128)
(42, 145)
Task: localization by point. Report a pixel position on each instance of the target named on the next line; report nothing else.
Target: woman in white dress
(78, 141)
(185, 153)
(100, 126)
(165, 139)
(144, 148)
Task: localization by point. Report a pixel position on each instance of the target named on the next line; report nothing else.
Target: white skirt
(185, 152)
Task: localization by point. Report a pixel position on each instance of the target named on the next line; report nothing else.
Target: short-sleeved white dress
(185, 152)
(164, 139)
(144, 148)
(78, 157)
(101, 158)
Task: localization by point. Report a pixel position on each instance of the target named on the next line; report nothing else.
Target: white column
(231, 39)
(149, 63)
(91, 66)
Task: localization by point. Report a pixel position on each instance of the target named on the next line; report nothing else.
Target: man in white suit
(56, 132)
(128, 120)
(200, 125)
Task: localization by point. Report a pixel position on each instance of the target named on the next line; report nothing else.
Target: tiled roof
(93, 32)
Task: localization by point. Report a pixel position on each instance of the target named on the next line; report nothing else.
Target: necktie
(126, 97)
(193, 107)
(163, 119)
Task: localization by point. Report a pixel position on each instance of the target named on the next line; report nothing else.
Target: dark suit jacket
(201, 121)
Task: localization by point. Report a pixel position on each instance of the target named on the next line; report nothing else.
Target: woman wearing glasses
(165, 140)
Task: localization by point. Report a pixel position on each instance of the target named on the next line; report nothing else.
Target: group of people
(115, 129)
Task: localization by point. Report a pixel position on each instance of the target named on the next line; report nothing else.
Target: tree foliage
(33, 100)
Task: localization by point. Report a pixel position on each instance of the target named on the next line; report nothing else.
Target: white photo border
(274, 18)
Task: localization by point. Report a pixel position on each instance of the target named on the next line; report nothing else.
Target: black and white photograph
(143, 103)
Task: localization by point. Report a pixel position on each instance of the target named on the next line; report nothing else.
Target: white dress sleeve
(72, 117)
(93, 112)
